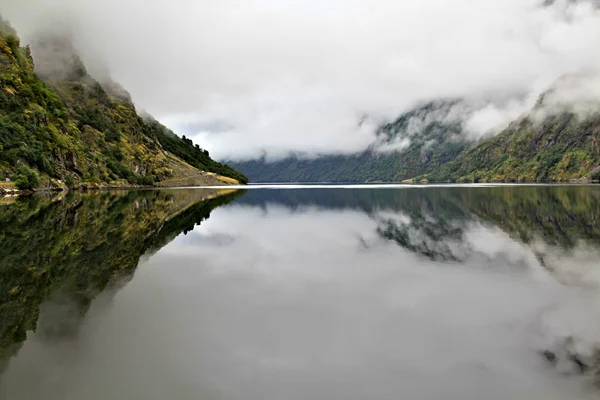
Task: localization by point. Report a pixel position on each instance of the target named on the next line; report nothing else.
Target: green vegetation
(66, 126)
(26, 179)
(561, 147)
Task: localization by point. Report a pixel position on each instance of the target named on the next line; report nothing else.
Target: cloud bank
(264, 77)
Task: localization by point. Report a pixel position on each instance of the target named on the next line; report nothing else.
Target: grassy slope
(69, 128)
(193, 155)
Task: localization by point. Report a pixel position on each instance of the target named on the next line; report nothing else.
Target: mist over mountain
(252, 79)
(557, 140)
(257, 83)
(60, 127)
(419, 141)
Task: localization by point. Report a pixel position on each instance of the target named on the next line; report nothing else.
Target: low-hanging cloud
(259, 77)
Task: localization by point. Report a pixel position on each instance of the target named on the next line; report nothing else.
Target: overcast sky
(253, 77)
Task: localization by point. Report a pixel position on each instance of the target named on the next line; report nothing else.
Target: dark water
(423, 293)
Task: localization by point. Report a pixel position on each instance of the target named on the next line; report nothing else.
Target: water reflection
(70, 248)
(559, 224)
(330, 294)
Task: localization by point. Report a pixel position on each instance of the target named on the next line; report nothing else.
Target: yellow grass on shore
(7, 185)
(227, 180)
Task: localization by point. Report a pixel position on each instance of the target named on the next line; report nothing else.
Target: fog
(261, 77)
(273, 302)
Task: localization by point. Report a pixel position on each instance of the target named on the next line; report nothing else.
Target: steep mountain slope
(419, 141)
(63, 126)
(190, 153)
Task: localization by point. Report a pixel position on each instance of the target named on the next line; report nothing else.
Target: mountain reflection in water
(470, 292)
(71, 247)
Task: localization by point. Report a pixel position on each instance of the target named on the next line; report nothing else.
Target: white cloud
(298, 75)
(492, 118)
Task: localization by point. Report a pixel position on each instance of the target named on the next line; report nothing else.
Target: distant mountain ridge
(558, 140)
(419, 141)
(59, 127)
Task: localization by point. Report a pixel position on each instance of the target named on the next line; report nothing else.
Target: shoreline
(500, 181)
(11, 191)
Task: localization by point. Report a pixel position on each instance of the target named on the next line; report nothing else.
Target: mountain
(557, 141)
(61, 127)
(419, 141)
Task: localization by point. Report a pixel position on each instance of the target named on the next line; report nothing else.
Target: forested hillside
(60, 127)
(556, 147)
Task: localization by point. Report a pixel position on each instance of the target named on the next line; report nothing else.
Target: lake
(472, 292)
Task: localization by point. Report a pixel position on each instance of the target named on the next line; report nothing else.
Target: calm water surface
(395, 293)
